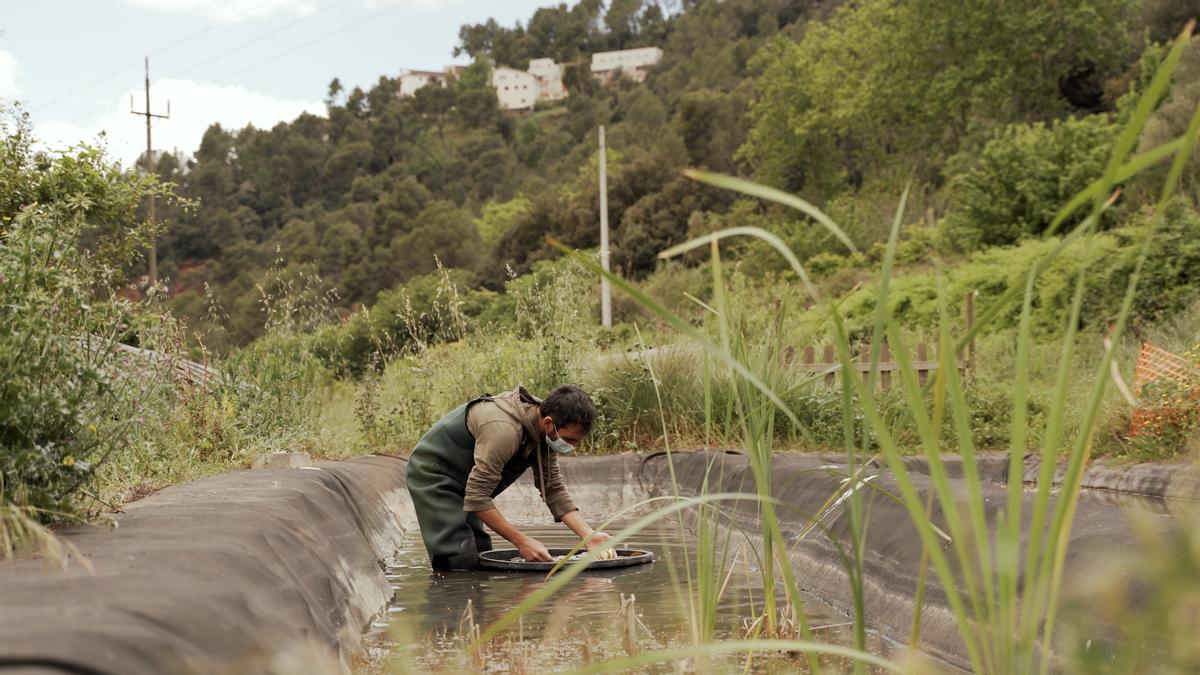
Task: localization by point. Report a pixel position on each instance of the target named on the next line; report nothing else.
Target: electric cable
(160, 50)
(258, 39)
(385, 10)
(239, 47)
(388, 8)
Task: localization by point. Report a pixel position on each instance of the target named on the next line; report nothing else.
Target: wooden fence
(925, 360)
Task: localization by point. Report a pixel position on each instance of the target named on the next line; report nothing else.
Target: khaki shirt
(507, 442)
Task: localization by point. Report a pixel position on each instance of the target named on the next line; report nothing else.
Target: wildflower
(69, 460)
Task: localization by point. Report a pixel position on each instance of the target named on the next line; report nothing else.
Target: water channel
(423, 628)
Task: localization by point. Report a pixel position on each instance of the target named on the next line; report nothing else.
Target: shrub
(1025, 173)
(1171, 277)
(68, 393)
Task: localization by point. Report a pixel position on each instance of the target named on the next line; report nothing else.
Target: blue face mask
(558, 444)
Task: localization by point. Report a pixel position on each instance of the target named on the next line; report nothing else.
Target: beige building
(550, 79)
(516, 89)
(634, 63)
(412, 80)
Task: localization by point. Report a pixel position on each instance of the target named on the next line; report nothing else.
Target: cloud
(8, 76)
(231, 11)
(194, 107)
(414, 4)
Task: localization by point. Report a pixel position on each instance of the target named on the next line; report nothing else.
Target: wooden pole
(605, 290)
(152, 254)
(970, 327)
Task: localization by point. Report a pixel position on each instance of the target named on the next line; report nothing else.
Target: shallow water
(583, 622)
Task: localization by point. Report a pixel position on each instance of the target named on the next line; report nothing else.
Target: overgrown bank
(88, 425)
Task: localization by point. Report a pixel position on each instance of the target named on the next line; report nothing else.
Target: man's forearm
(578, 525)
(530, 548)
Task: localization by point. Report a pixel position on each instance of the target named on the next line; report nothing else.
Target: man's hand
(532, 550)
(590, 537)
(596, 540)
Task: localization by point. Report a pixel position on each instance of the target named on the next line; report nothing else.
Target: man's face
(571, 433)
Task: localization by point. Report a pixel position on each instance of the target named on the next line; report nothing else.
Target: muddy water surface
(429, 617)
(424, 626)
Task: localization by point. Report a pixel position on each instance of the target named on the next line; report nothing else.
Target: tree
(498, 218)
(1022, 178)
(335, 90)
(1165, 18)
(1170, 120)
(659, 220)
(490, 40)
(563, 34)
(621, 19)
(444, 233)
(70, 236)
(710, 123)
(887, 83)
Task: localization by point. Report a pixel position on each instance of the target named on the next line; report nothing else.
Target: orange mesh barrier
(1156, 365)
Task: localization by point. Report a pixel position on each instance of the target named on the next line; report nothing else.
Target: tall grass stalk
(703, 534)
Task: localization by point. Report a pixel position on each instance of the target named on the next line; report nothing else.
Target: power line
(131, 64)
(243, 46)
(311, 42)
(219, 56)
(258, 39)
(276, 57)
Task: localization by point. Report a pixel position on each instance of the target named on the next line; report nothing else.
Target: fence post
(970, 327)
(922, 357)
(864, 356)
(829, 359)
(885, 376)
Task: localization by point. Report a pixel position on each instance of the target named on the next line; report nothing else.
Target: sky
(74, 64)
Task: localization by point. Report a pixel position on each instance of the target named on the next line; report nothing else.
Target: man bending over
(479, 449)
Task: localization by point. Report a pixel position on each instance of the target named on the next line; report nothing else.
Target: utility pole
(605, 290)
(150, 116)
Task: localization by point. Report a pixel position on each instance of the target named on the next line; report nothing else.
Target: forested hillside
(843, 103)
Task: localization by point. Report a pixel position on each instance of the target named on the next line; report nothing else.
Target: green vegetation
(353, 276)
(87, 418)
(57, 346)
(1006, 602)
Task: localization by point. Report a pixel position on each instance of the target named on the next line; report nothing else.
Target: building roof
(626, 58)
(426, 73)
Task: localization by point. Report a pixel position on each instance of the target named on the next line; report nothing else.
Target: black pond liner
(502, 559)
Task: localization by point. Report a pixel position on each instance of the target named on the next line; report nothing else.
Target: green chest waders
(436, 476)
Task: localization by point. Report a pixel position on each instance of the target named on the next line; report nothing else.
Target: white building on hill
(412, 80)
(516, 89)
(633, 62)
(550, 79)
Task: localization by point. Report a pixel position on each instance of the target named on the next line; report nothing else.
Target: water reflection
(580, 623)
(433, 602)
(440, 598)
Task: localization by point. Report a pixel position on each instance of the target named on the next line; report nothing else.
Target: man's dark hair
(568, 405)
